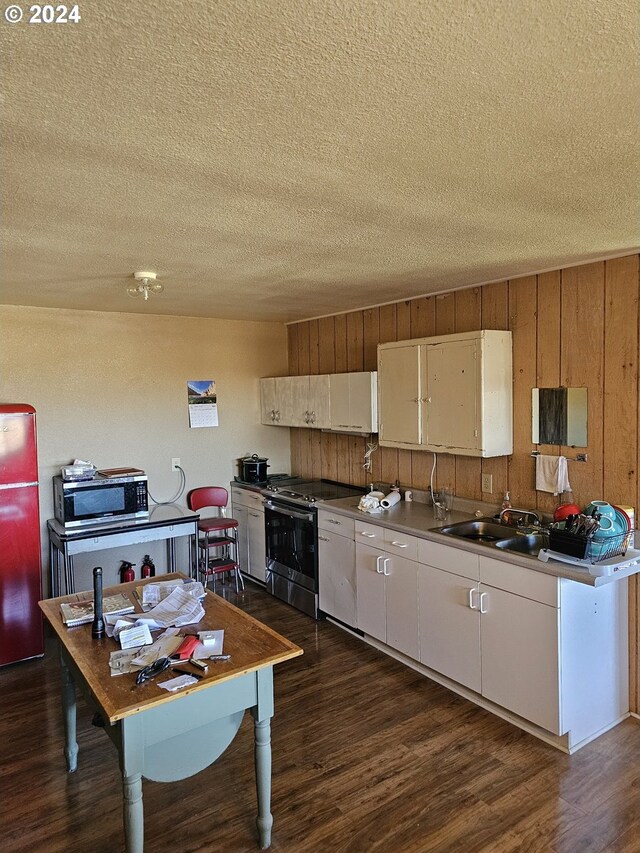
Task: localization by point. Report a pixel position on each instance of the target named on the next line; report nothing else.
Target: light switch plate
(487, 483)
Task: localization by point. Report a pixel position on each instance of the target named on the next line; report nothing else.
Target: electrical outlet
(487, 483)
(175, 463)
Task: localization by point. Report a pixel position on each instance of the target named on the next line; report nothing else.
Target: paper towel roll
(390, 500)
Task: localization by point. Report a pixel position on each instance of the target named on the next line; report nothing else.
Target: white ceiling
(283, 160)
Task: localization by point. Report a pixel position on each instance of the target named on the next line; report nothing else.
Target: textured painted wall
(111, 388)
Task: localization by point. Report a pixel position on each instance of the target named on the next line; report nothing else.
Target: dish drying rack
(602, 556)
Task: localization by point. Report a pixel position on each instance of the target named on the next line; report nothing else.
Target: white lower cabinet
(450, 625)
(336, 567)
(257, 544)
(248, 510)
(550, 651)
(520, 656)
(387, 588)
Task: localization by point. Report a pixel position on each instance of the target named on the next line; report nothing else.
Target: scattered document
(135, 636)
(121, 662)
(153, 593)
(177, 683)
(162, 647)
(178, 608)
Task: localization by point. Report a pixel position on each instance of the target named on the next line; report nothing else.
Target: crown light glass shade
(146, 285)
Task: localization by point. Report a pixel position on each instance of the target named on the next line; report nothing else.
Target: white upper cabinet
(353, 400)
(298, 401)
(448, 394)
(345, 402)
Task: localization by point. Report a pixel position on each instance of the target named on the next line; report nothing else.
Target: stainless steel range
(291, 524)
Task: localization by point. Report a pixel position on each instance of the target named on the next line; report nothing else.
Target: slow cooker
(253, 469)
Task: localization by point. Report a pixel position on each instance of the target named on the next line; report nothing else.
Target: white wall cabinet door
(337, 576)
(257, 544)
(399, 395)
(353, 402)
(450, 625)
(452, 383)
(520, 652)
(372, 618)
(269, 413)
(401, 582)
(317, 402)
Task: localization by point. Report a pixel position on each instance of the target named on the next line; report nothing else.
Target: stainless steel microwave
(104, 499)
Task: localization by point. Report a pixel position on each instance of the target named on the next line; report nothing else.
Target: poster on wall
(203, 403)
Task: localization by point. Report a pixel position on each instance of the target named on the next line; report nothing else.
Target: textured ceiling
(283, 160)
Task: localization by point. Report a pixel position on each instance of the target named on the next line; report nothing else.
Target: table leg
(54, 571)
(69, 712)
(133, 813)
(264, 821)
(171, 554)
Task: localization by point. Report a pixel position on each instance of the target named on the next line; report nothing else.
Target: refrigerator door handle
(17, 485)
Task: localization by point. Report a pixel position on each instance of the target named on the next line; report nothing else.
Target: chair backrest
(216, 496)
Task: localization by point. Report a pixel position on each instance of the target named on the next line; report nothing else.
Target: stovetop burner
(308, 493)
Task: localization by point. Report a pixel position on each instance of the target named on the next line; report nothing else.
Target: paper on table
(162, 647)
(121, 662)
(214, 648)
(176, 683)
(154, 593)
(137, 635)
(178, 608)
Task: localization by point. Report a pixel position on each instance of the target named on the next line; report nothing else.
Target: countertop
(417, 519)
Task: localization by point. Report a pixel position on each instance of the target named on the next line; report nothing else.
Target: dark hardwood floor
(367, 755)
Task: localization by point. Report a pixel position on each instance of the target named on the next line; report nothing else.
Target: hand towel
(552, 475)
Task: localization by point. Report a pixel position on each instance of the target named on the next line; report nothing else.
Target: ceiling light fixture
(147, 284)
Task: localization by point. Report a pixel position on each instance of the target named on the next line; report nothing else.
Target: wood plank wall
(577, 327)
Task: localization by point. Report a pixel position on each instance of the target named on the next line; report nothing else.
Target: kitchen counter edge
(417, 519)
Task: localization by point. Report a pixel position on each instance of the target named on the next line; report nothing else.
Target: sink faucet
(523, 515)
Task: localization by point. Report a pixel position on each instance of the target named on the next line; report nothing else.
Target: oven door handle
(304, 516)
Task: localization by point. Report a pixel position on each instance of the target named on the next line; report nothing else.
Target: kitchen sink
(524, 543)
(478, 530)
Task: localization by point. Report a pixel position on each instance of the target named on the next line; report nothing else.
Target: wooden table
(168, 736)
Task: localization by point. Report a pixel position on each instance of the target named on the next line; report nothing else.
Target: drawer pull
(368, 535)
(399, 544)
(323, 538)
(333, 521)
(254, 514)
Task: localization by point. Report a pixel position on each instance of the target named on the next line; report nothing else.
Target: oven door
(291, 535)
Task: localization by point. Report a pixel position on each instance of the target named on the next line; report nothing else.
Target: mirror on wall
(559, 416)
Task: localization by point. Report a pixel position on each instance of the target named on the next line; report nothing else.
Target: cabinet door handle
(483, 609)
(378, 569)
(323, 538)
(399, 544)
(471, 604)
(385, 561)
(368, 535)
(333, 521)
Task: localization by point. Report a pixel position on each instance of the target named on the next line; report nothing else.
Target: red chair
(217, 538)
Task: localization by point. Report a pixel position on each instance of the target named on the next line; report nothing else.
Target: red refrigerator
(21, 633)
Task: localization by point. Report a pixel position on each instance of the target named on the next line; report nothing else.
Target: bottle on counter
(506, 505)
